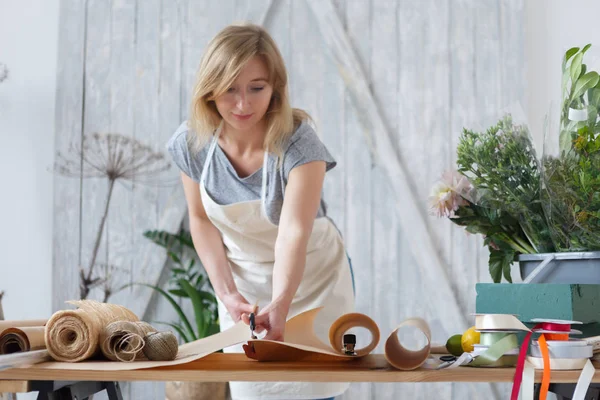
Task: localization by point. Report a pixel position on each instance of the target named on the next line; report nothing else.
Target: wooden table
(221, 367)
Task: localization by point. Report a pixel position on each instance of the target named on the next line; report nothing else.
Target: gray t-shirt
(225, 186)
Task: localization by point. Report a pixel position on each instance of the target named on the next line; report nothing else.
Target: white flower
(449, 194)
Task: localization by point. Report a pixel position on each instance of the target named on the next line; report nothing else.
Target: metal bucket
(570, 267)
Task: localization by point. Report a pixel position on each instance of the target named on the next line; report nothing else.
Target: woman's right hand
(237, 306)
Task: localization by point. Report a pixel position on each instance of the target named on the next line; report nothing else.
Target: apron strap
(211, 151)
(263, 191)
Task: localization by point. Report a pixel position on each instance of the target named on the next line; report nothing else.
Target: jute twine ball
(73, 335)
(161, 346)
(124, 340)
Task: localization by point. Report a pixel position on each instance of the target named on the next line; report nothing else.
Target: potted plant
(542, 212)
(188, 282)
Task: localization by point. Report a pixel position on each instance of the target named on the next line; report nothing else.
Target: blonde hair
(222, 62)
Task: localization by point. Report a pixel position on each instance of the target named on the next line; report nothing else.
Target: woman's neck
(244, 141)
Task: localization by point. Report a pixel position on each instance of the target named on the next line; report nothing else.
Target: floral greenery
(522, 204)
(188, 281)
(572, 194)
(504, 207)
(576, 83)
(501, 163)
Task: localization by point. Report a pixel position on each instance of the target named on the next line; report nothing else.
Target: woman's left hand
(272, 318)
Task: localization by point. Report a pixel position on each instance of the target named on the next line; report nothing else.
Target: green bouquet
(524, 204)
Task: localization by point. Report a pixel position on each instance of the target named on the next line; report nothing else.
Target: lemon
(454, 345)
(469, 338)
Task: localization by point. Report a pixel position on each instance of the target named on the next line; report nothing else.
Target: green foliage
(502, 165)
(524, 205)
(502, 234)
(580, 91)
(188, 281)
(571, 194)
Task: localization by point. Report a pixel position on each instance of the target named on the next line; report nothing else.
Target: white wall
(552, 27)
(28, 46)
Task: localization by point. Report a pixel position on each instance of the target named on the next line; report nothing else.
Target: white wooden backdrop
(390, 84)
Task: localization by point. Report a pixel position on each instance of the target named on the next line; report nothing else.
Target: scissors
(253, 321)
(249, 347)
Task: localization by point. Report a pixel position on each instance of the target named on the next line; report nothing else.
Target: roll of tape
(479, 349)
(566, 352)
(489, 338)
(558, 363)
(498, 322)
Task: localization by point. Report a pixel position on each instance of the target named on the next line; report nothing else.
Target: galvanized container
(569, 267)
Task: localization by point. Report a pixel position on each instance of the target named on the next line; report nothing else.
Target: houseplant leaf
(570, 53)
(174, 257)
(197, 304)
(178, 309)
(575, 69)
(207, 296)
(499, 264)
(178, 328)
(586, 82)
(178, 292)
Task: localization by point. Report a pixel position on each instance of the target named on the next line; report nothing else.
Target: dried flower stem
(85, 290)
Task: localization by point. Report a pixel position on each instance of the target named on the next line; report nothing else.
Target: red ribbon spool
(546, 326)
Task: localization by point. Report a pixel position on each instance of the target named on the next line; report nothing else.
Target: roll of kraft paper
(21, 323)
(74, 335)
(301, 342)
(402, 358)
(19, 339)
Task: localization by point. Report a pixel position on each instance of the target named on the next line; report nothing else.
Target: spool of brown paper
(13, 340)
(301, 341)
(73, 335)
(402, 358)
(349, 321)
(21, 323)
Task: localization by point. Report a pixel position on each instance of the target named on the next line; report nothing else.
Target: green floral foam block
(544, 300)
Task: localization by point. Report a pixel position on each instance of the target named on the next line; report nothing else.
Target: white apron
(249, 237)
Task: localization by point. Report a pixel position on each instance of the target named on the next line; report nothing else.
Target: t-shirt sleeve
(183, 156)
(306, 146)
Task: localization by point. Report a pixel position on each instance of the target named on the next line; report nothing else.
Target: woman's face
(245, 103)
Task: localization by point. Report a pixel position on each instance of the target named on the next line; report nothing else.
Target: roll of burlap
(124, 340)
(73, 335)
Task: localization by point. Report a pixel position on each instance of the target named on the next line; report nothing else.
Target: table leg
(49, 390)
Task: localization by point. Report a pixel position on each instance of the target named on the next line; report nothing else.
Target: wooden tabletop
(221, 367)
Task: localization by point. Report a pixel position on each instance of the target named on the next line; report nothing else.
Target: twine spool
(124, 340)
(161, 346)
(73, 335)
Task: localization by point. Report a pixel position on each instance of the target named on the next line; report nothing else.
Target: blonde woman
(252, 169)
